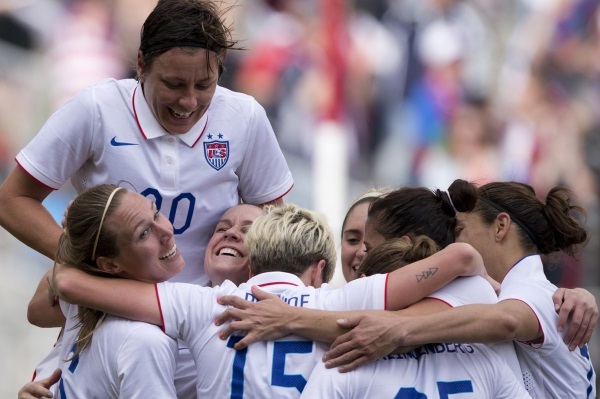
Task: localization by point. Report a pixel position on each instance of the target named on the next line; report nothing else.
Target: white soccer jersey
(125, 359)
(108, 134)
(550, 370)
(457, 371)
(265, 369)
(470, 290)
(275, 369)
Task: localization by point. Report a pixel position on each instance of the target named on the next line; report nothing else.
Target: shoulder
(226, 100)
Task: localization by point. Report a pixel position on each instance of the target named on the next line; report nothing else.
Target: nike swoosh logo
(116, 143)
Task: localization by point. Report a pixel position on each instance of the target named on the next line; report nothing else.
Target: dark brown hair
(414, 211)
(546, 227)
(185, 23)
(396, 253)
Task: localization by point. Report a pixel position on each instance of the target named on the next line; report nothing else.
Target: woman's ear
(107, 265)
(316, 276)
(502, 225)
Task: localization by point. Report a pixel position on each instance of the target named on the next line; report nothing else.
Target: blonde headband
(110, 197)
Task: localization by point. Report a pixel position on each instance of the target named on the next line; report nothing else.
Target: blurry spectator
(83, 49)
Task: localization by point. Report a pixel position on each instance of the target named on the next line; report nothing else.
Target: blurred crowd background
(424, 92)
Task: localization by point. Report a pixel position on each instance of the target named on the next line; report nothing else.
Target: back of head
(86, 227)
(414, 211)
(185, 23)
(396, 253)
(545, 227)
(289, 239)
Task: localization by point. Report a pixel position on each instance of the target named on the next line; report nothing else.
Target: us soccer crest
(216, 153)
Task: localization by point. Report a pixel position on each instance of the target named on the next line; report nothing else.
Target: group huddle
(180, 271)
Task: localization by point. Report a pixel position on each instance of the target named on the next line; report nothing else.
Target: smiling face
(226, 257)
(353, 249)
(179, 86)
(145, 241)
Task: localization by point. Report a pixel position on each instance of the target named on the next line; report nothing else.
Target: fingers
(262, 295)
(34, 390)
(564, 313)
(344, 356)
(53, 379)
(235, 301)
(558, 298)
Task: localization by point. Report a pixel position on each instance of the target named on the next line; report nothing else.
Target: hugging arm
(578, 311)
(43, 309)
(271, 318)
(126, 298)
(507, 320)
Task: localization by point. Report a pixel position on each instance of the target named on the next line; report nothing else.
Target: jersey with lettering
(265, 369)
(459, 292)
(432, 371)
(550, 370)
(125, 359)
(107, 134)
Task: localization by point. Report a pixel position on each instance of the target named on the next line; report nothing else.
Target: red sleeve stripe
(162, 318)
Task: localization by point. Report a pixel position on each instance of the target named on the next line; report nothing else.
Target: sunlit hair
(365, 198)
(413, 211)
(396, 253)
(544, 226)
(289, 239)
(173, 23)
(76, 243)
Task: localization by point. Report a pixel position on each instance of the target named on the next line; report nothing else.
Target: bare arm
(271, 318)
(23, 215)
(130, 299)
(43, 310)
(419, 279)
(507, 320)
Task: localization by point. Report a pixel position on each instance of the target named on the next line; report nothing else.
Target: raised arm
(415, 281)
(130, 299)
(43, 309)
(23, 215)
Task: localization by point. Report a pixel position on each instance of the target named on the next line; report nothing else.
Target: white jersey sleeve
(187, 309)
(466, 290)
(366, 293)
(433, 371)
(69, 133)
(263, 162)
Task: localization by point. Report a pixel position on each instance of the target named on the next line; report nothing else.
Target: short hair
(289, 239)
(173, 23)
(396, 253)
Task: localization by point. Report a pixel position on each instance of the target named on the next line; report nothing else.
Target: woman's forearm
(130, 299)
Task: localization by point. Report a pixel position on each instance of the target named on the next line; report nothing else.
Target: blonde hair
(396, 253)
(82, 235)
(289, 239)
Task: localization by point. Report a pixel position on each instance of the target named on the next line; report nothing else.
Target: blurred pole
(330, 163)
